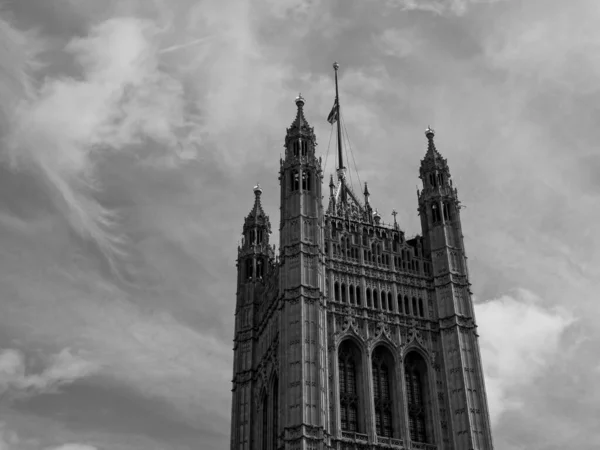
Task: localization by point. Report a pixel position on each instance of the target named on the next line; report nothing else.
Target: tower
(355, 337)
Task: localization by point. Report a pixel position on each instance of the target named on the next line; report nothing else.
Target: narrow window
(259, 268)
(368, 297)
(415, 311)
(351, 294)
(304, 148)
(349, 401)
(358, 299)
(343, 293)
(295, 180)
(415, 376)
(375, 299)
(265, 418)
(400, 303)
(249, 269)
(381, 392)
(336, 291)
(406, 305)
(275, 412)
(296, 147)
(383, 301)
(435, 212)
(390, 304)
(421, 312)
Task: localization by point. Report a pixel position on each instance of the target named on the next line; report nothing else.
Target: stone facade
(355, 337)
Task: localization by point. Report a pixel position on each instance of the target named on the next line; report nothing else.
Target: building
(354, 337)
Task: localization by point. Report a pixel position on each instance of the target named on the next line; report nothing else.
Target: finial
(429, 132)
(257, 189)
(377, 217)
(331, 183)
(300, 101)
(394, 213)
(336, 66)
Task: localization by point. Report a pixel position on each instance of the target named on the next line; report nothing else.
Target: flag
(333, 115)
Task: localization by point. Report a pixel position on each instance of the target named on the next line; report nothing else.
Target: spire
(433, 160)
(300, 125)
(257, 216)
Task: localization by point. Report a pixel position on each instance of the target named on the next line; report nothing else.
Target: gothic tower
(355, 337)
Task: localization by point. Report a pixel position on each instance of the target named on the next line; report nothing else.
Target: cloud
(61, 369)
(519, 339)
(121, 100)
(458, 7)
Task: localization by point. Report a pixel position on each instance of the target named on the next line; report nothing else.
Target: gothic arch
(350, 386)
(418, 395)
(385, 390)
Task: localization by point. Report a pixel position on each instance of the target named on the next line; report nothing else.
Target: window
(432, 180)
(351, 294)
(390, 304)
(336, 291)
(348, 359)
(249, 269)
(368, 297)
(305, 180)
(358, 299)
(275, 412)
(435, 213)
(381, 391)
(295, 180)
(265, 418)
(446, 209)
(415, 311)
(375, 299)
(343, 293)
(415, 376)
(421, 312)
(259, 268)
(406, 305)
(383, 301)
(400, 303)
(304, 148)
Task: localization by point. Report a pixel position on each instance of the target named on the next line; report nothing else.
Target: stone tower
(355, 337)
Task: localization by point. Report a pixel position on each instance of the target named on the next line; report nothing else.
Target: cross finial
(394, 213)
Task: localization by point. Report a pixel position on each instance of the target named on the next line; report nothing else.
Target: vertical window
(446, 208)
(259, 268)
(415, 376)
(421, 312)
(390, 304)
(358, 299)
(400, 303)
(368, 297)
(305, 180)
(294, 180)
(336, 291)
(406, 305)
(347, 367)
(296, 147)
(304, 148)
(351, 294)
(375, 299)
(275, 412)
(381, 391)
(343, 293)
(435, 213)
(383, 301)
(249, 269)
(265, 418)
(415, 311)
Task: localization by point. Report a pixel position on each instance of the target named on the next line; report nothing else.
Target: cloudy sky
(132, 132)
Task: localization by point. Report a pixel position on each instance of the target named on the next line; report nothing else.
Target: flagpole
(341, 167)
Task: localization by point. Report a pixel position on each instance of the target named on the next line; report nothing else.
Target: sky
(133, 131)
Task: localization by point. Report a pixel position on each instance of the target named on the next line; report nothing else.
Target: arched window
(390, 304)
(415, 311)
(249, 269)
(336, 291)
(382, 365)
(383, 301)
(406, 305)
(421, 312)
(348, 365)
(446, 209)
(295, 180)
(304, 148)
(435, 213)
(375, 299)
(368, 297)
(296, 147)
(305, 180)
(265, 419)
(415, 373)
(440, 178)
(432, 180)
(358, 299)
(351, 294)
(400, 303)
(343, 293)
(259, 268)
(275, 412)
